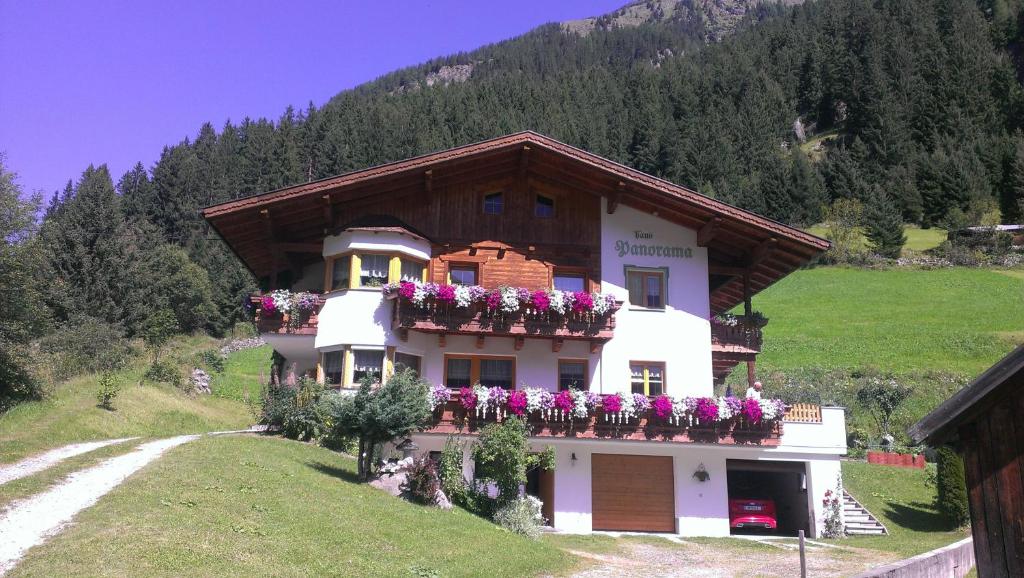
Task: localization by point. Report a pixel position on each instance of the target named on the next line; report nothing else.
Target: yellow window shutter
(395, 270)
(357, 267)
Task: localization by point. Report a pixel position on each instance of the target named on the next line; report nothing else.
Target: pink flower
(267, 304)
(612, 403)
(406, 289)
(707, 409)
(467, 397)
(563, 401)
(445, 293)
(541, 301)
(752, 410)
(493, 299)
(582, 301)
(662, 407)
(517, 402)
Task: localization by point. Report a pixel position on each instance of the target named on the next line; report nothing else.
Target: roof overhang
(941, 424)
(740, 243)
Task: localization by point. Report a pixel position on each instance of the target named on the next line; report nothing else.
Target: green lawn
(903, 502)
(242, 374)
(70, 414)
(956, 320)
(917, 239)
(259, 506)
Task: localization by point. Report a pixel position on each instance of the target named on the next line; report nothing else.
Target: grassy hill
(918, 239)
(255, 506)
(70, 413)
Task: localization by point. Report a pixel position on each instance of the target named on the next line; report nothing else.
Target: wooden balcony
(447, 319)
(279, 324)
(454, 419)
(743, 337)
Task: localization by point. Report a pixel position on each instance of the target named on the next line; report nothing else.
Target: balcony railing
(452, 418)
(300, 323)
(477, 319)
(742, 335)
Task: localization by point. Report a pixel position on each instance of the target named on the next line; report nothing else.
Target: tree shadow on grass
(917, 516)
(343, 474)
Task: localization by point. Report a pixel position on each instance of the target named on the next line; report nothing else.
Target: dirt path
(31, 521)
(38, 463)
(723, 560)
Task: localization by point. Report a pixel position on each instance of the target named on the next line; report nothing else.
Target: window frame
(537, 205)
(577, 361)
(322, 367)
(646, 273)
(474, 367)
(465, 266)
(501, 202)
(646, 376)
(419, 363)
(570, 272)
(355, 262)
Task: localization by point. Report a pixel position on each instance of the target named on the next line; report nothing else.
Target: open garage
(756, 487)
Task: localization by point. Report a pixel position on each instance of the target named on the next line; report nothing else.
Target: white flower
(724, 412)
(557, 299)
(463, 298)
(769, 409)
(282, 300)
(579, 403)
(509, 299)
(602, 303)
(419, 294)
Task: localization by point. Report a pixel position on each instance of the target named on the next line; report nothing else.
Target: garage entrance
(632, 493)
(755, 486)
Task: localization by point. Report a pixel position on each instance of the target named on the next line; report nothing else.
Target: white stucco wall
(377, 241)
(680, 335)
(355, 317)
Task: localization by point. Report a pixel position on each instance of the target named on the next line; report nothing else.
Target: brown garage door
(633, 493)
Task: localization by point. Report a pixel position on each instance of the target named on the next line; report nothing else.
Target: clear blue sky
(113, 82)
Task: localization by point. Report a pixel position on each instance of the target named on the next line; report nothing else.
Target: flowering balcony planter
(301, 322)
(434, 316)
(452, 418)
(742, 336)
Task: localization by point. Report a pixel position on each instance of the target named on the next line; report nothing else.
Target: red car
(752, 514)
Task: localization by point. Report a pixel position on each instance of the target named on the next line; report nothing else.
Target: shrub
(82, 345)
(212, 360)
(422, 482)
(158, 330)
(521, 516)
(109, 389)
(502, 453)
(303, 423)
(164, 371)
(277, 401)
(951, 498)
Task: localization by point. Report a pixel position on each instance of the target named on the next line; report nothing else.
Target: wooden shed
(985, 422)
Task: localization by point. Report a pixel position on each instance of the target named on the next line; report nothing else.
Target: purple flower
(564, 401)
(707, 409)
(752, 410)
(662, 407)
(582, 301)
(445, 293)
(541, 301)
(612, 403)
(734, 404)
(467, 397)
(641, 403)
(406, 289)
(267, 304)
(493, 300)
(524, 294)
(517, 402)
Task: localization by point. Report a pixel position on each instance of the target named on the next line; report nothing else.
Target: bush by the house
(503, 456)
(952, 487)
(521, 516)
(378, 415)
(164, 371)
(471, 497)
(108, 391)
(422, 483)
(278, 399)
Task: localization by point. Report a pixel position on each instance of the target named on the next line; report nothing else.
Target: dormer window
(544, 207)
(494, 204)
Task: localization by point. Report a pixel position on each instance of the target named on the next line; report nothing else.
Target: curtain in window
(340, 273)
(367, 363)
(636, 378)
(496, 372)
(374, 269)
(571, 375)
(405, 360)
(635, 282)
(459, 372)
(332, 366)
(411, 270)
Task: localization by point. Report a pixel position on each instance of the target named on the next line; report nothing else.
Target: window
(405, 360)
(496, 373)
(411, 270)
(646, 288)
(333, 367)
(341, 270)
(570, 281)
(544, 207)
(467, 370)
(647, 378)
(373, 270)
(494, 204)
(462, 274)
(458, 372)
(572, 374)
(367, 363)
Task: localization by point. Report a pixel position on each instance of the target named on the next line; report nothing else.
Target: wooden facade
(983, 421)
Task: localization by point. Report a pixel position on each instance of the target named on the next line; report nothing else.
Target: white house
(456, 264)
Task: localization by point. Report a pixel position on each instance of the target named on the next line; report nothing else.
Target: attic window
(544, 207)
(494, 204)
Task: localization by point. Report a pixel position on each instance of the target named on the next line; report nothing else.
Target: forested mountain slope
(908, 104)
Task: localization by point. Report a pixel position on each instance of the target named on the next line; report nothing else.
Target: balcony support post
(750, 373)
(479, 341)
(747, 307)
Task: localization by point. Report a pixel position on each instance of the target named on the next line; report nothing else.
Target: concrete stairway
(859, 521)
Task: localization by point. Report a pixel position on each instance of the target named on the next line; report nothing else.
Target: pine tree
(883, 224)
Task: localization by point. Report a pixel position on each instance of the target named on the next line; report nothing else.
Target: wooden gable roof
(261, 228)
